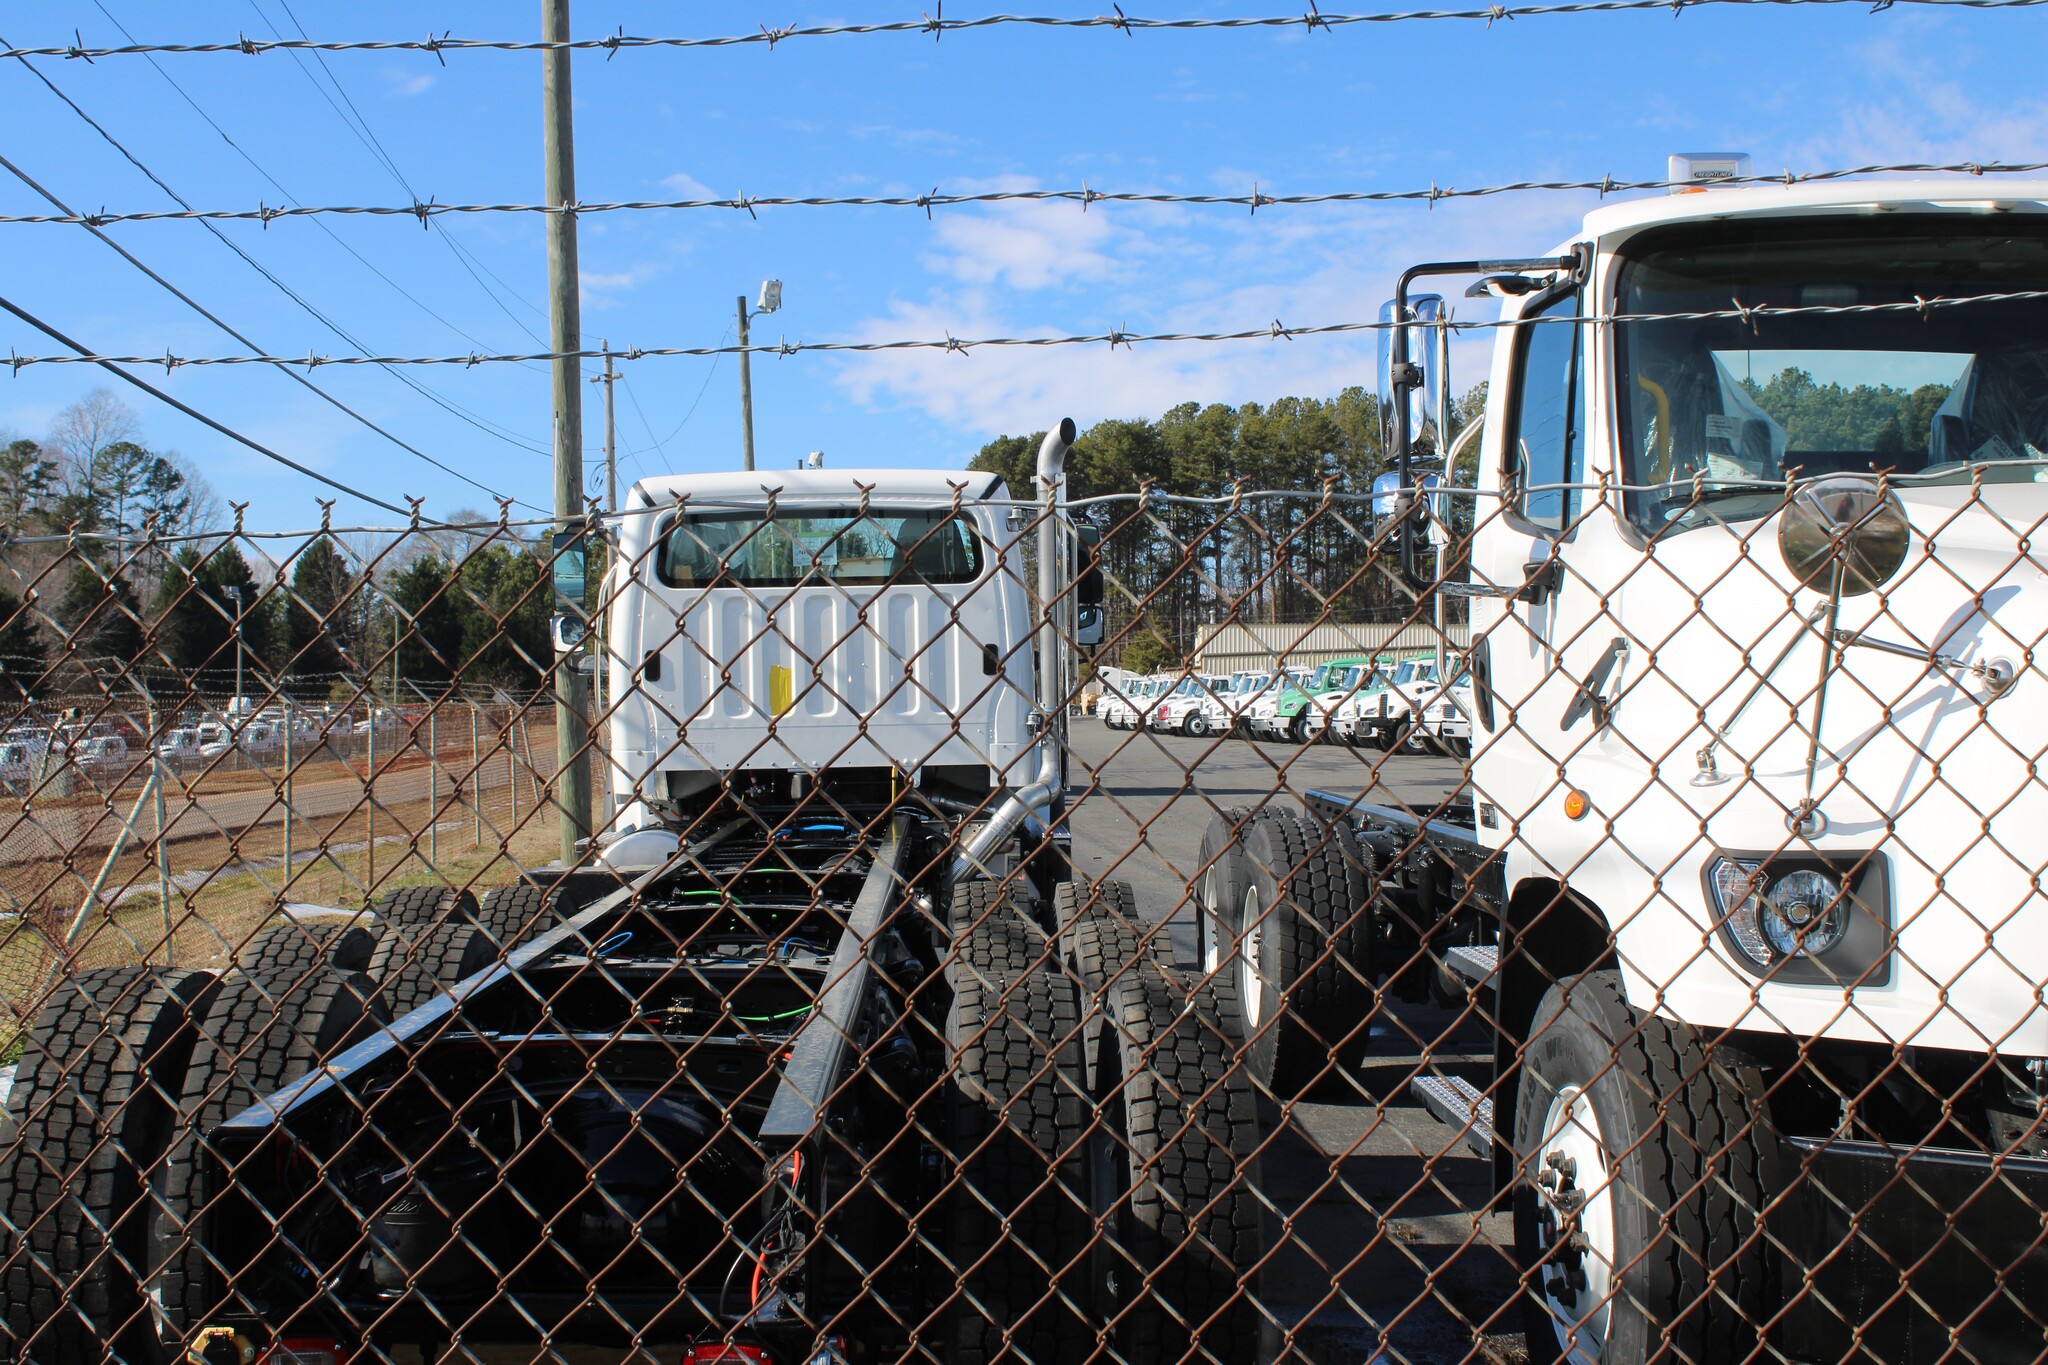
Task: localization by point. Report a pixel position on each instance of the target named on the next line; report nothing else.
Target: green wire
(771, 1018)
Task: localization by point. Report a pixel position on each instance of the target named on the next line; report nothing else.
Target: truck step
(1457, 1102)
(1476, 965)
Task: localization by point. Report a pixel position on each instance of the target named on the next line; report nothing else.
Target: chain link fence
(1645, 965)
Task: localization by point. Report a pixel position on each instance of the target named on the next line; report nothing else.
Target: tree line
(119, 589)
(1279, 553)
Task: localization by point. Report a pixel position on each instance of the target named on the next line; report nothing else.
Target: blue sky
(1361, 108)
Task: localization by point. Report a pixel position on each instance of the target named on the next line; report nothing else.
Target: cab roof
(1949, 194)
(819, 485)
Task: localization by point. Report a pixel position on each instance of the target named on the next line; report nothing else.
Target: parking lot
(1385, 1249)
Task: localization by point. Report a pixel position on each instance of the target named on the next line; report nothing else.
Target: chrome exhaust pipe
(1036, 797)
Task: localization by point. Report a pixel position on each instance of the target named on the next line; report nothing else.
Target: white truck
(822, 1057)
(1747, 877)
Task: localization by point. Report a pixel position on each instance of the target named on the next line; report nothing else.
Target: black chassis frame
(313, 1228)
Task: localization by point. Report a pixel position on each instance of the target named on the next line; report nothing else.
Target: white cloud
(687, 186)
(1159, 271)
(597, 287)
(405, 84)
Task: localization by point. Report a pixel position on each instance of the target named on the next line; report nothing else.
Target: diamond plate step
(1456, 1102)
(1476, 965)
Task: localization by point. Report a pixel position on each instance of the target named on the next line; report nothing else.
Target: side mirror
(1089, 588)
(567, 633)
(1844, 525)
(1418, 389)
(569, 563)
(1088, 626)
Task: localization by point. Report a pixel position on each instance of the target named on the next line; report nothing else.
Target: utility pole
(565, 333)
(746, 394)
(611, 441)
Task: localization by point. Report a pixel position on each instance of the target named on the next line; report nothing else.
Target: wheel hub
(1575, 1225)
(1251, 961)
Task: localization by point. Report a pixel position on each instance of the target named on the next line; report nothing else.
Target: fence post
(288, 723)
(482, 785)
(370, 809)
(434, 788)
(163, 850)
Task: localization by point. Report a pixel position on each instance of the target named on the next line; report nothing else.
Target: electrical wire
(112, 368)
(447, 405)
(938, 27)
(427, 210)
(304, 382)
(358, 125)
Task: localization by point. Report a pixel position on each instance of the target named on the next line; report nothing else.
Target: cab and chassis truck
(825, 1057)
(1746, 880)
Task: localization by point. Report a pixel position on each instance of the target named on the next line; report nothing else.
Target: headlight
(1805, 917)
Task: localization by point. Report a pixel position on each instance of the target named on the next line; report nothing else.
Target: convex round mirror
(1846, 521)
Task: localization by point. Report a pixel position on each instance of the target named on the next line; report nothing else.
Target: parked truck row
(828, 1055)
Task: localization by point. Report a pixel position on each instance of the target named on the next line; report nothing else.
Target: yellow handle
(1661, 471)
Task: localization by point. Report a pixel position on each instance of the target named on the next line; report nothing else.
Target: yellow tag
(781, 689)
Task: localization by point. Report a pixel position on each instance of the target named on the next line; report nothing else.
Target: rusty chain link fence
(1520, 961)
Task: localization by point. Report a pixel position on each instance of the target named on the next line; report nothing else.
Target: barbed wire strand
(211, 317)
(454, 409)
(426, 210)
(620, 41)
(113, 368)
(1276, 331)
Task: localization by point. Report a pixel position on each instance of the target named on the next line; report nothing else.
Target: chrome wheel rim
(1251, 974)
(1575, 1226)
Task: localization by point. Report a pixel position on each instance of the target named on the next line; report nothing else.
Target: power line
(938, 27)
(1276, 331)
(359, 126)
(426, 211)
(113, 368)
(198, 308)
(447, 405)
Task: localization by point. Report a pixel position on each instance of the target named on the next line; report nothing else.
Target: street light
(770, 300)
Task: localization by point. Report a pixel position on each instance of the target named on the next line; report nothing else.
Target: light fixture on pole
(769, 302)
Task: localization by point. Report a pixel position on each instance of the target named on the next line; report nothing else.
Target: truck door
(1554, 654)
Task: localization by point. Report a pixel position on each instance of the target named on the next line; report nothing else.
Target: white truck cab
(743, 641)
(1748, 867)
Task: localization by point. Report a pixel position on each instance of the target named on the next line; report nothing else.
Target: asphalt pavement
(1385, 1249)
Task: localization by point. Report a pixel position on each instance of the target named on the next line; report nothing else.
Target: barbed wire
(426, 210)
(938, 26)
(1275, 331)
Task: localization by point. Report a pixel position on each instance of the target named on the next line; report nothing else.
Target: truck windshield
(1927, 393)
(811, 546)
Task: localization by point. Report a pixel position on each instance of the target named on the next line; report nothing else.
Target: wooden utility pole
(565, 332)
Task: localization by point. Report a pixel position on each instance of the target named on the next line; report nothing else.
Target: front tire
(1196, 726)
(1643, 1164)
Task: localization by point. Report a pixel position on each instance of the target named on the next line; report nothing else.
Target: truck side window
(1546, 440)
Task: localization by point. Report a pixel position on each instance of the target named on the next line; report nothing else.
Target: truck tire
(1219, 886)
(1171, 1163)
(91, 1116)
(254, 1039)
(991, 931)
(1014, 1214)
(1689, 1163)
(411, 967)
(284, 954)
(513, 914)
(424, 907)
(1302, 949)
(1100, 937)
